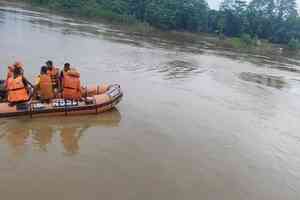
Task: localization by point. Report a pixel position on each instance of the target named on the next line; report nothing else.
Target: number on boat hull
(64, 103)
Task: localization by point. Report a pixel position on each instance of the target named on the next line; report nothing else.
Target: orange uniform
(10, 74)
(45, 87)
(71, 85)
(16, 90)
(54, 74)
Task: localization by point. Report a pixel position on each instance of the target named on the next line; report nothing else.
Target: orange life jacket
(45, 86)
(71, 85)
(16, 90)
(9, 75)
(54, 74)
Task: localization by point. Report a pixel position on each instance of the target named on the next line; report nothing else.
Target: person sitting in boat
(71, 83)
(53, 72)
(10, 73)
(67, 67)
(20, 66)
(18, 87)
(44, 85)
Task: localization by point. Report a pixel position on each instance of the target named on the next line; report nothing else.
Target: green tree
(233, 17)
(213, 22)
(189, 15)
(192, 15)
(161, 13)
(286, 9)
(275, 20)
(260, 16)
(137, 8)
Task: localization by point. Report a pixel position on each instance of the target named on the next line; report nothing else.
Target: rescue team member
(10, 74)
(17, 87)
(53, 72)
(67, 67)
(71, 83)
(18, 64)
(10, 71)
(44, 85)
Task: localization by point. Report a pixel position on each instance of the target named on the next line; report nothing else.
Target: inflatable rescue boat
(96, 99)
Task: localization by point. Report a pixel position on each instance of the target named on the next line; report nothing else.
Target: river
(195, 123)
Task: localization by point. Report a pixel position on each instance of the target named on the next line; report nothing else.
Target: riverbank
(92, 12)
(195, 122)
(134, 27)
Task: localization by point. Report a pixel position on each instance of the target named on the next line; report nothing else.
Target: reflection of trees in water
(66, 28)
(1, 18)
(41, 132)
(43, 22)
(263, 79)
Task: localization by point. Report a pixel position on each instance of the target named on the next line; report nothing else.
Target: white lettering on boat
(64, 103)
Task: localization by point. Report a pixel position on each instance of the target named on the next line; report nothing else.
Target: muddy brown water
(195, 123)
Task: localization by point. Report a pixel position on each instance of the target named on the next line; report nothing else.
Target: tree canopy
(273, 20)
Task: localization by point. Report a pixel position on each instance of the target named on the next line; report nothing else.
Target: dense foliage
(273, 20)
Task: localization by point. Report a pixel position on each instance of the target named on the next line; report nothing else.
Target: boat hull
(98, 103)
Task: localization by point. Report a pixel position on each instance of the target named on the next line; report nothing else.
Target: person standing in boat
(18, 87)
(70, 79)
(44, 85)
(53, 72)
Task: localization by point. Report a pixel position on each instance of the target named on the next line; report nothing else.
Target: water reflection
(70, 139)
(17, 139)
(263, 79)
(155, 39)
(42, 137)
(41, 132)
(112, 33)
(286, 68)
(44, 22)
(1, 18)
